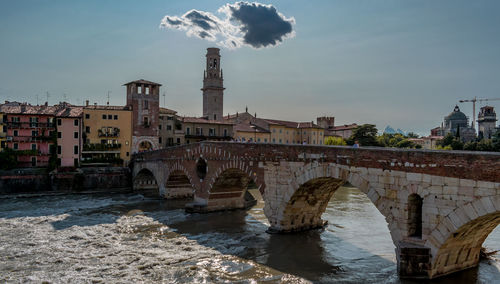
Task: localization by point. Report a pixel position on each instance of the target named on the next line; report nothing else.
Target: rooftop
(201, 120)
(142, 81)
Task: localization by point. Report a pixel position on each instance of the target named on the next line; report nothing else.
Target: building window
(75, 150)
(147, 90)
(87, 116)
(159, 126)
(75, 162)
(33, 161)
(215, 117)
(115, 117)
(280, 130)
(274, 130)
(34, 133)
(169, 127)
(59, 149)
(33, 147)
(33, 121)
(110, 116)
(139, 89)
(75, 123)
(274, 140)
(75, 135)
(159, 140)
(178, 141)
(258, 139)
(145, 121)
(199, 131)
(87, 129)
(16, 133)
(225, 132)
(128, 154)
(104, 116)
(265, 140)
(211, 132)
(59, 122)
(188, 131)
(280, 141)
(314, 141)
(59, 134)
(16, 146)
(146, 104)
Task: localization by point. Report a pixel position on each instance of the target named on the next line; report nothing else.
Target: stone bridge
(439, 205)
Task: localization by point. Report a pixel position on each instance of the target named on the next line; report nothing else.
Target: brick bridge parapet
(439, 205)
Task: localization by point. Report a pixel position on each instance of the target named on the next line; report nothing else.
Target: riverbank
(41, 181)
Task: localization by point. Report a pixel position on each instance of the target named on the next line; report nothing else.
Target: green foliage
(440, 147)
(495, 141)
(101, 147)
(365, 134)
(453, 141)
(337, 141)
(8, 159)
(412, 135)
(395, 141)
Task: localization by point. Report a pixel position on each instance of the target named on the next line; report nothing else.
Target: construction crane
(473, 101)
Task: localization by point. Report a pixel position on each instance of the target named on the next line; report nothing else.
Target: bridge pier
(413, 261)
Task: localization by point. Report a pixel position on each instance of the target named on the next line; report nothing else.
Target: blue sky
(403, 63)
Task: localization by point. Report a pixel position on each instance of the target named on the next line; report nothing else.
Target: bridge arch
(457, 240)
(178, 183)
(228, 187)
(145, 182)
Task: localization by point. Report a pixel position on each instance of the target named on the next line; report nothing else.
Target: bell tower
(213, 89)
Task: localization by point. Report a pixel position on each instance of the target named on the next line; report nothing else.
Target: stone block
(482, 191)
(488, 204)
(485, 184)
(467, 182)
(437, 180)
(451, 190)
(414, 177)
(470, 211)
(451, 181)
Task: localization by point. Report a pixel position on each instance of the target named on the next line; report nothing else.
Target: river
(124, 238)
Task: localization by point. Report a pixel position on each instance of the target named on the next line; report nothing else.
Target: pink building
(30, 130)
(69, 136)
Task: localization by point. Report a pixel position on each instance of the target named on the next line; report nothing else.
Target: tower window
(139, 89)
(146, 121)
(146, 104)
(147, 90)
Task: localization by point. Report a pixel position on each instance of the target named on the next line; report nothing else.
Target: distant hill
(389, 130)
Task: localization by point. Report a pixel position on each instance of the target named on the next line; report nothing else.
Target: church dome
(456, 114)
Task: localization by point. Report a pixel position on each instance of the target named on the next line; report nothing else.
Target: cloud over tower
(242, 24)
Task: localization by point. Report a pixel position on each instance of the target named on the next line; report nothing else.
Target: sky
(399, 63)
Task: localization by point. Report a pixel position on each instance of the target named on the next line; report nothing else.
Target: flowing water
(124, 238)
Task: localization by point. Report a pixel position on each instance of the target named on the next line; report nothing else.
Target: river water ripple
(124, 238)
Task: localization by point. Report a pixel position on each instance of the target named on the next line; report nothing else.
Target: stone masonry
(459, 191)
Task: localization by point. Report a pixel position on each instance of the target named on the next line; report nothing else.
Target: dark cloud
(262, 25)
(251, 24)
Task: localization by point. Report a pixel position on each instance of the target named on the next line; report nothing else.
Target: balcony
(12, 124)
(38, 138)
(115, 132)
(99, 148)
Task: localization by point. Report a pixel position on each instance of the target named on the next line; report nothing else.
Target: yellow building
(200, 129)
(290, 132)
(248, 132)
(3, 132)
(107, 134)
(265, 130)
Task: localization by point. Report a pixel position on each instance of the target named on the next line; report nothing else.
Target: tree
(495, 141)
(8, 159)
(365, 134)
(412, 135)
(338, 141)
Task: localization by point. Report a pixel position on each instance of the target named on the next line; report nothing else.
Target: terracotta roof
(247, 127)
(24, 108)
(70, 111)
(343, 127)
(142, 81)
(292, 124)
(167, 110)
(106, 107)
(204, 120)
